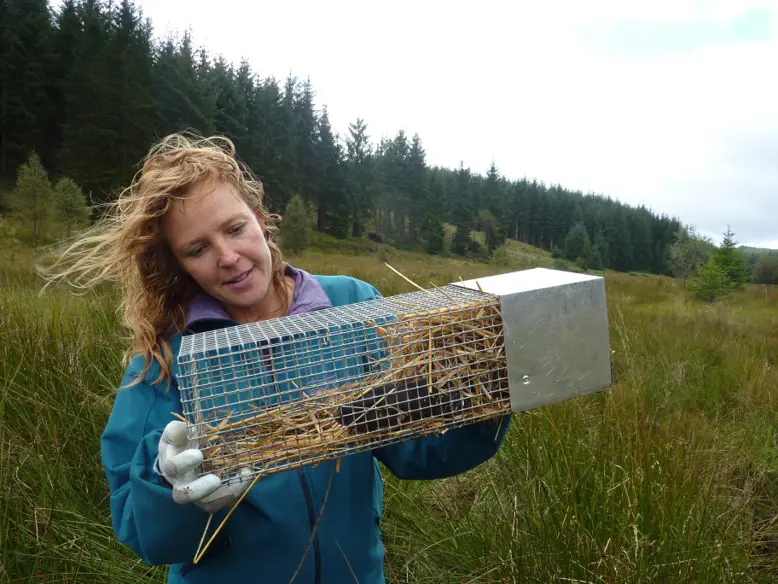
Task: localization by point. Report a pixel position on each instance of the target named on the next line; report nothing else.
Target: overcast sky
(669, 103)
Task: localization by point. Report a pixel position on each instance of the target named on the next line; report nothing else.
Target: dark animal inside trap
(395, 405)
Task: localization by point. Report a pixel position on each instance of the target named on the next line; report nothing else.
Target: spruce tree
(393, 156)
(712, 281)
(70, 203)
(600, 252)
(268, 139)
(307, 178)
(462, 211)
(461, 241)
(490, 226)
(89, 129)
(66, 38)
(578, 247)
(26, 53)
(731, 260)
(31, 201)
(431, 231)
(230, 107)
(295, 228)
(131, 86)
(331, 203)
(362, 182)
(639, 223)
(177, 89)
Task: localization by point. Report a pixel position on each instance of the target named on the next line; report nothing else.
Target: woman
(193, 249)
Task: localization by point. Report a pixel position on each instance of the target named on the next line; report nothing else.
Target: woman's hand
(178, 464)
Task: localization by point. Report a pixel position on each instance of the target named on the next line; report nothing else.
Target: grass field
(671, 476)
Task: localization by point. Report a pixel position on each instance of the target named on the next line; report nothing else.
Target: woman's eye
(195, 252)
(237, 228)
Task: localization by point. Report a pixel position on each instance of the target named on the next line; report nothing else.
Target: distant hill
(756, 250)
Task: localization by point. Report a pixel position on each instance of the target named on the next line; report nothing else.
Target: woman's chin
(250, 299)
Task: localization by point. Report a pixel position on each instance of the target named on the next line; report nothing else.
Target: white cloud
(520, 84)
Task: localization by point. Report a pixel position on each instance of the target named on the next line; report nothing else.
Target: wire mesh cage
(296, 390)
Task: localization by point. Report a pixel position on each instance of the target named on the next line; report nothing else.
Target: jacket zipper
(312, 521)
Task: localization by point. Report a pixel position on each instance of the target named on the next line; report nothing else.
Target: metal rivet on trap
(298, 390)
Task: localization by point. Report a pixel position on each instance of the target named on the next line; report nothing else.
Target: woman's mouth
(240, 279)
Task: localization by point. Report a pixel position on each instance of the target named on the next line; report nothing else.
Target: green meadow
(669, 476)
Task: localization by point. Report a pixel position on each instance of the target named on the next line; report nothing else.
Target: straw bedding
(447, 368)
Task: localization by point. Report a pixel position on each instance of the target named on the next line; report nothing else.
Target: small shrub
(295, 228)
(712, 282)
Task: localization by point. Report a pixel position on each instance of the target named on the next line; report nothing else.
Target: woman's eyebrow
(240, 215)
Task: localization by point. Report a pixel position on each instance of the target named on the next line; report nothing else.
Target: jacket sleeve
(144, 515)
(446, 455)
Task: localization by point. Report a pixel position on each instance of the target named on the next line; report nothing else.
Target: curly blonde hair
(127, 246)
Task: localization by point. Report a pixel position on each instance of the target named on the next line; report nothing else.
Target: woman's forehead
(202, 208)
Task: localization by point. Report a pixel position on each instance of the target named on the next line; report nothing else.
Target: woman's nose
(227, 257)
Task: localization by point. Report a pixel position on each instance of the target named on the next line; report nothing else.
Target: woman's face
(219, 241)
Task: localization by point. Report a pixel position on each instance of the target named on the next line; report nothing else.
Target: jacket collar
(205, 311)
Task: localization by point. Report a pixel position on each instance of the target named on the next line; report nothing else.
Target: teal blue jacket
(271, 533)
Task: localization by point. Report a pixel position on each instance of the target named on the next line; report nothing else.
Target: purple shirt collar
(308, 296)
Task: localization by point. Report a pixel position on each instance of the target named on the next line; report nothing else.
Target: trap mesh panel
(292, 391)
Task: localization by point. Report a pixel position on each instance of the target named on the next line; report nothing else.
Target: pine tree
(766, 269)
(731, 260)
(130, 66)
(394, 204)
(295, 229)
(26, 53)
(308, 175)
(361, 175)
(578, 247)
(600, 251)
(90, 125)
(245, 96)
(712, 281)
(177, 90)
(639, 223)
(462, 212)
(31, 202)
(331, 203)
(461, 241)
(490, 226)
(417, 185)
(7, 46)
(230, 107)
(66, 38)
(71, 206)
(518, 210)
(268, 140)
(431, 232)
(619, 239)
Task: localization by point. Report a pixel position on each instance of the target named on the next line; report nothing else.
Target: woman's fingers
(175, 433)
(193, 491)
(183, 462)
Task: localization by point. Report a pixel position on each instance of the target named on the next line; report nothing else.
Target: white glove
(178, 465)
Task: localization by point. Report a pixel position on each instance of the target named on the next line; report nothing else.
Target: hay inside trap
(446, 368)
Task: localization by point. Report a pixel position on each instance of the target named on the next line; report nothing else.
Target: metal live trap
(297, 390)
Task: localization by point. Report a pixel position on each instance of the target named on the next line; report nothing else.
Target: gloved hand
(178, 464)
